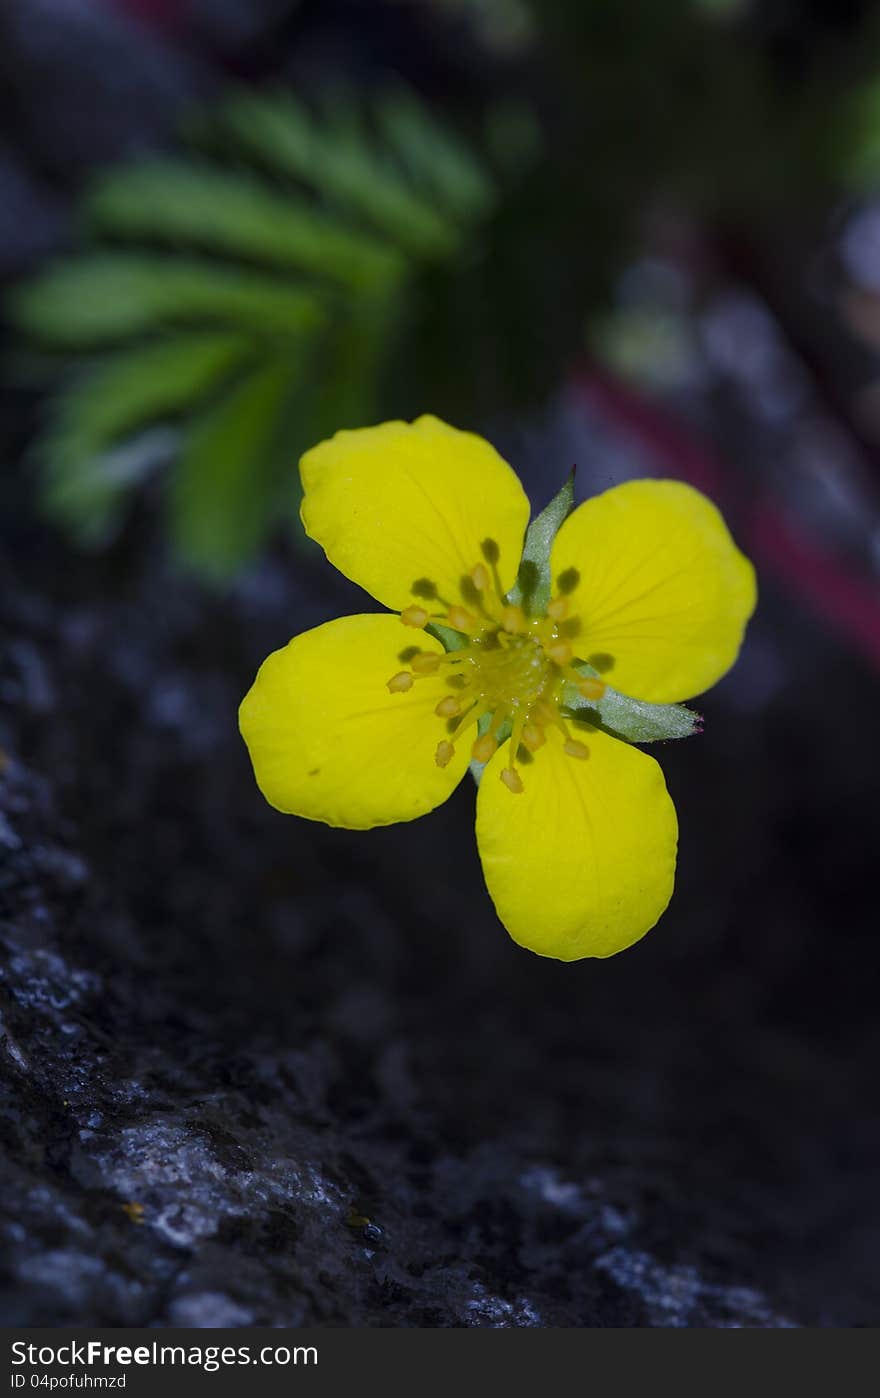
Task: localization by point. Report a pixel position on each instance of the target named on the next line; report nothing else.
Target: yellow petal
(661, 590)
(402, 503)
(328, 741)
(582, 862)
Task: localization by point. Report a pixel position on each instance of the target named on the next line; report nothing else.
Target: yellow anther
(414, 616)
(532, 737)
(543, 713)
(511, 780)
(590, 688)
(460, 619)
(444, 754)
(401, 682)
(484, 748)
(513, 619)
(426, 663)
(559, 652)
(448, 707)
(573, 749)
(558, 608)
(480, 577)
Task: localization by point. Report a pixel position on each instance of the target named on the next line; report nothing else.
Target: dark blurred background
(257, 1071)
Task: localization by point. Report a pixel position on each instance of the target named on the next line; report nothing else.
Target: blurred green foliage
(730, 105)
(303, 270)
(255, 309)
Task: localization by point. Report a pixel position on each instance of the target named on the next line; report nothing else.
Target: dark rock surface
(259, 1071)
(254, 1070)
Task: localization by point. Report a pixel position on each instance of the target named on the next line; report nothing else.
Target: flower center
(506, 671)
(511, 671)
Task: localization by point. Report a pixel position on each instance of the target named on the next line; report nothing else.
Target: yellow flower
(364, 721)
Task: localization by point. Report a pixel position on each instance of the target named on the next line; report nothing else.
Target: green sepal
(631, 719)
(533, 584)
(449, 639)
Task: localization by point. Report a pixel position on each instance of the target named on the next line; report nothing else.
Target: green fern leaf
(85, 475)
(238, 215)
(288, 295)
(109, 296)
(336, 159)
(224, 490)
(140, 384)
(436, 159)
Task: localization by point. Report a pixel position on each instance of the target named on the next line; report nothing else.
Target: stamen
(510, 776)
(513, 620)
(414, 616)
(591, 688)
(484, 748)
(444, 754)
(400, 683)
(426, 663)
(559, 652)
(543, 713)
(570, 746)
(575, 749)
(471, 715)
(532, 737)
(510, 669)
(455, 657)
(460, 619)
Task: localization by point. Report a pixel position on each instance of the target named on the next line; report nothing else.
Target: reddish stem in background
(846, 600)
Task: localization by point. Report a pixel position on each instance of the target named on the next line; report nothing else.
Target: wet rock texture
(258, 1071)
